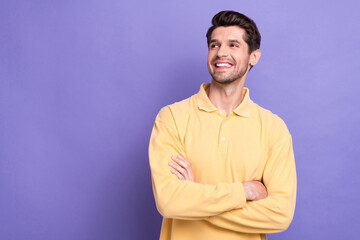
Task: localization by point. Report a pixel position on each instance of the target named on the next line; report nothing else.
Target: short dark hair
(231, 18)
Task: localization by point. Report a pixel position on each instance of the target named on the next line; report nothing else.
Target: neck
(226, 96)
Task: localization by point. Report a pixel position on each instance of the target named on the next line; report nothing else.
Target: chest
(227, 149)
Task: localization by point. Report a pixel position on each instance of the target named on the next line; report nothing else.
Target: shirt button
(221, 112)
(223, 138)
(224, 125)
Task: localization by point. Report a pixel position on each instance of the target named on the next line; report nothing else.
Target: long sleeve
(184, 199)
(275, 213)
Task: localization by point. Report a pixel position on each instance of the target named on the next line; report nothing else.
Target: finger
(185, 164)
(176, 173)
(189, 168)
(181, 161)
(179, 169)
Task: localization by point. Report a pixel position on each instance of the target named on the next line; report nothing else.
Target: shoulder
(177, 115)
(177, 111)
(272, 123)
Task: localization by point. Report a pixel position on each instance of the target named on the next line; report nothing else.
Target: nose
(222, 51)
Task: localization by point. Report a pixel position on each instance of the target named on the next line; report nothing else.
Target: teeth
(223, 65)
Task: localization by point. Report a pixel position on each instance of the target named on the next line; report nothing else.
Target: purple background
(82, 81)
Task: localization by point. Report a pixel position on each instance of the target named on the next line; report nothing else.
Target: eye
(214, 46)
(233, 45)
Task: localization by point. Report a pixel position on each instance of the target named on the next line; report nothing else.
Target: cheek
(209, 58)
(241, 60)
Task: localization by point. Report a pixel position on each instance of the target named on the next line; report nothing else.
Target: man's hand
(182, 169)
(254, 190)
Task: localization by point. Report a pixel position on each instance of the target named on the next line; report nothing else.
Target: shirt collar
(204, 103)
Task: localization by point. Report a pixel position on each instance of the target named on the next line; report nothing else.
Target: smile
(223, 65)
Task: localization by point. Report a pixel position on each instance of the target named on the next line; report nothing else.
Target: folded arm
(271, 214)
(185, 199)
(274, 213)
(254, 190)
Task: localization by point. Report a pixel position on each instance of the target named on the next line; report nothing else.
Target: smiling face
(228, 58)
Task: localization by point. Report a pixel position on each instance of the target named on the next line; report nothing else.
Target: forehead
(226, 33)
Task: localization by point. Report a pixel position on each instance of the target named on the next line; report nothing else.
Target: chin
(224, 80)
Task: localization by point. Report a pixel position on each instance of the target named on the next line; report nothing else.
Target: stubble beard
(229, 79)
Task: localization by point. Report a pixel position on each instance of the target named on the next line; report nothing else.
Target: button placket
(222, 136)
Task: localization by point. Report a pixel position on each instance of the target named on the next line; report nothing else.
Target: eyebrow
(236, 41)
(231, 40)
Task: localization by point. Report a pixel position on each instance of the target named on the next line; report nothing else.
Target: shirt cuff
(239, 195)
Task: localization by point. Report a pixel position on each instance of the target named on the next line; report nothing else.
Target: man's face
(228, 58)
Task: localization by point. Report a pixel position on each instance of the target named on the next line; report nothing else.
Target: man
(223, 167)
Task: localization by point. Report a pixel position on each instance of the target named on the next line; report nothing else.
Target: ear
(254, 57)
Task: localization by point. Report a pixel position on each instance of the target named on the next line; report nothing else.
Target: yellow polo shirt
(251, 143)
